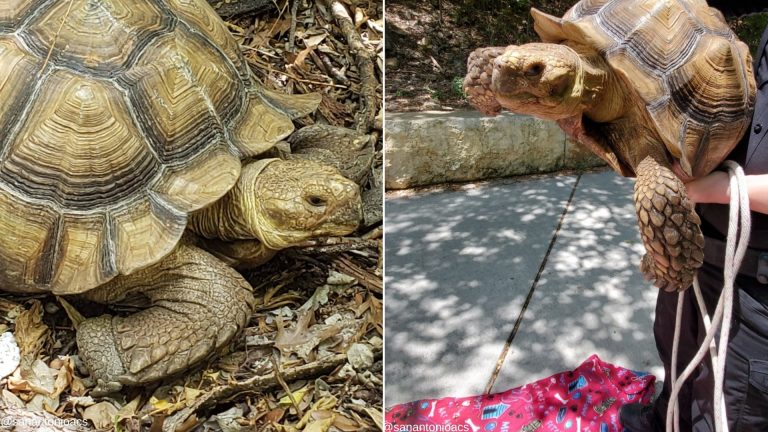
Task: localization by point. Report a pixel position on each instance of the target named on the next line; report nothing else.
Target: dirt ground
(428, 42)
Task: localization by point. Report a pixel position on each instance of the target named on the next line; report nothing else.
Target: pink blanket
(586, 399)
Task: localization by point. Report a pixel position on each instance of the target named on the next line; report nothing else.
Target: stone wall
(438, 147)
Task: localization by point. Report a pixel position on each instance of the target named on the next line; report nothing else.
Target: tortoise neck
(604, 94)
(238, 215)
(223, 220)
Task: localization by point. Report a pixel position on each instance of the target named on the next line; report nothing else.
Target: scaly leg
(197, 305)
(669, 227)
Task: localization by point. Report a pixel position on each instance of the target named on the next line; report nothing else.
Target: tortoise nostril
(534, 69)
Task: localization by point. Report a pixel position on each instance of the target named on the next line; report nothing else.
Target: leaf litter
(310, 358)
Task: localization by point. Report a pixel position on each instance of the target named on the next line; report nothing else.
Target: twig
(292, 34)
(335, 245)
(272, 29)
(237, 7)
(255, 385)
(281, 381)
(332, 70)
(374, 234)
(363, 276)
(290, 75)
(368, 83)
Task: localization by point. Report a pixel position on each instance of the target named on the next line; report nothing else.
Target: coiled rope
(738, 226)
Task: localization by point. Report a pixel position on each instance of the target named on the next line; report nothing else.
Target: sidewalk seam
(520, 316)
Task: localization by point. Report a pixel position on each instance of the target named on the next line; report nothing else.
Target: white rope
(739, 225)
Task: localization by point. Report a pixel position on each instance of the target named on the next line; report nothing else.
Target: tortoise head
(290, 201)
(540, 79)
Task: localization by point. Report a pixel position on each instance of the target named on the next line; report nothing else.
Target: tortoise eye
(316, 201)
(533, 70)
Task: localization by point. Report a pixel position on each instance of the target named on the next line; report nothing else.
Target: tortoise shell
(119, 118)
(688, 68)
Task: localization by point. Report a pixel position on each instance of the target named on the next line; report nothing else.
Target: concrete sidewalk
(460, 264)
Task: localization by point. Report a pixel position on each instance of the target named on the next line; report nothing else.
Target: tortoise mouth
(537, 79)
(549, 104)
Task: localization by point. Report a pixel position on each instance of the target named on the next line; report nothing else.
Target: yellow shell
(119, 118)
(688, 68)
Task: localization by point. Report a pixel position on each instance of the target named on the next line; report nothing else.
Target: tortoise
(662, 90)
(125, 122)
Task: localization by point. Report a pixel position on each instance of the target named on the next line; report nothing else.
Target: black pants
(746, 370)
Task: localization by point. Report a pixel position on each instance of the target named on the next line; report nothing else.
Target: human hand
(713, 188)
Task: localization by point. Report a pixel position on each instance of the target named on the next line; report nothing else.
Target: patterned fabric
(586, 399)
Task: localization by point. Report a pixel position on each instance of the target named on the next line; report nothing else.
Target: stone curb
(424, 148)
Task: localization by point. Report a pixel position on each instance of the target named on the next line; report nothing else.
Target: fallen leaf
(74, 315)
(313, 38)
(377, 416)
(302, 56)
(102, 414)
(30, 330)
(227, 420)
(360, 356)
(64, 377)
(129, 410)
(319, 425)
(11, 400)
(191, 394)
(298, 395)
(302, 339)
(33, 376)
(84, 401)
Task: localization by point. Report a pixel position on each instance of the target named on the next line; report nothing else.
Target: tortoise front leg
(240, 254)
(669, 227)
(197, 305)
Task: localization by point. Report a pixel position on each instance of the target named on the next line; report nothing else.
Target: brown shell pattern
(686, 64)
(119, 119)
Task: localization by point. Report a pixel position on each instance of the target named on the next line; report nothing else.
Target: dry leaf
(275, 415)
(298, 395)
(360, 356)
(128, 410)
(320, 425)
(83, 401)
(191, 394)
(11, 400)
(325, 403)
(377, 416)
(102, 414)
(345, 424)
(313, 38)
(227, 420)
(65, 376)
(360, 17)
(33, 376)
(30, 331)
(302, 56)
(74, 315)
(165, 406)
(302, 339)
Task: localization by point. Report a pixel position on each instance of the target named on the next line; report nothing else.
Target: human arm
(715, 188)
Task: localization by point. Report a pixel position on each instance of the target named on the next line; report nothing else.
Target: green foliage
(457, 86)
(437, 95)
(750, 27)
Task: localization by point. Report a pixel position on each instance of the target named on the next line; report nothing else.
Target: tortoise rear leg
(669, 227)
(197, 305)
